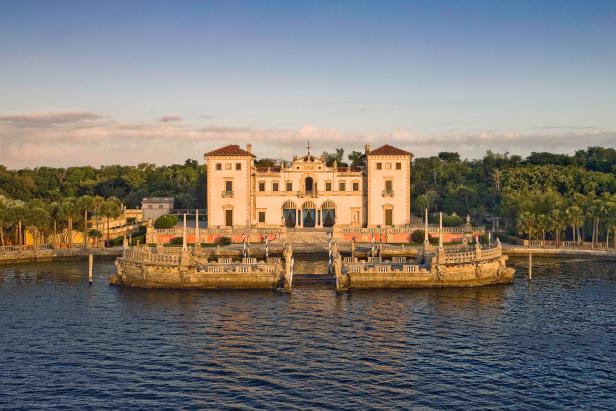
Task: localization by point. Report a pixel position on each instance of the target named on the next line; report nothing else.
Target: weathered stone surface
(52, 254)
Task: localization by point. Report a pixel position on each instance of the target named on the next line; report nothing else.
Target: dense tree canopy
(539, 195)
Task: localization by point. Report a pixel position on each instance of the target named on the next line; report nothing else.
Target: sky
(93, 83)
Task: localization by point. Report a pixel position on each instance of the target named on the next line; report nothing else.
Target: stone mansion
(306, 192)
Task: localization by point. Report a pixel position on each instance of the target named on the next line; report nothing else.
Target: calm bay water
(550, 343)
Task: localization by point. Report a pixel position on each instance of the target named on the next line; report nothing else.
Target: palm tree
(18, 216)
(557, 224)
(111, 209)
(543, 223)
(610, 217)
(356, 158)
(38, 220)
(54, 212)
(98, 205)
(526, 224)
(68, 211)
(84, 205)
(597, 211)
(3, 218)
(574, 218)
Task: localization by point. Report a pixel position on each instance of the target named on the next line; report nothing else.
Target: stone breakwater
(12, 255)
(443, 267)
(174, 267)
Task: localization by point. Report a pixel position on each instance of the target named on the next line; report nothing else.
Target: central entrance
(289, 213)
(309, 214)
(329, 213)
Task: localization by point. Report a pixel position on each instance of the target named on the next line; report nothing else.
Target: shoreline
(517, 251)
(57, 254)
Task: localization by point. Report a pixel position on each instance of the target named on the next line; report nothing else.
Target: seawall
(559, 252)
(53, 254)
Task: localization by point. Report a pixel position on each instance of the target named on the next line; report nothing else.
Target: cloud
(81, 138)
(170, 119)
(208, 116)
(47, 119)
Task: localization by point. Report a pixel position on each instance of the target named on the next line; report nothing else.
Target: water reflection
(435, 348)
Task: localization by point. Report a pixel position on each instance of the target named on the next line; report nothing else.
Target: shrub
(452, 220)
(176, 241)
(114, 242)
(137, 238)
(166, 221)
(417, 236)
(222, 241)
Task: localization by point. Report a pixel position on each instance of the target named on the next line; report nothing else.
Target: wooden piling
(90, 264)
(530, 266)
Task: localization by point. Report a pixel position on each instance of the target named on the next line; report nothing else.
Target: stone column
(426, 235)
(184, 245)
(440, 230)
(197, 237)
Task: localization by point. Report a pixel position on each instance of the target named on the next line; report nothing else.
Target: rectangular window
(261, 186)
(389, 186)
(388, 166)
(379, 166)
(389, 218)
(289, 186)
(398, 166)
(274, 186)
(228, 185)
(218, 166)
(328, 186)
(238, 166)
(261, 216)
(228, 218)
(342, 186)
(355, 186)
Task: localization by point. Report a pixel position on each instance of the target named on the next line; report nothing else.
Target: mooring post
(530, 266)
(90, 263)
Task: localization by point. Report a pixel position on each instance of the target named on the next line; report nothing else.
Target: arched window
(309, 184)
(308, 204)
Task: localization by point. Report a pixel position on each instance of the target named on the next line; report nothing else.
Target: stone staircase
(311, 269)
(311, 240)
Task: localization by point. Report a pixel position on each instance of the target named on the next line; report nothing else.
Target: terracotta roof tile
(230, 150)
(388, 150)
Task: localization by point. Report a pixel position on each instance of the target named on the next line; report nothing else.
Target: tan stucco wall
(401, 182)
(248, 200)
(240, 201)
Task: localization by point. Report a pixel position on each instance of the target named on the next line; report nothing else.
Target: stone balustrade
(433, 229)
(178, 257)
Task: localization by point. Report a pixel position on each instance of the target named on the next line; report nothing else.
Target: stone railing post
(150, 234)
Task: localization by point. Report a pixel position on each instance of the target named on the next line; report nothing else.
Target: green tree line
(579, 188)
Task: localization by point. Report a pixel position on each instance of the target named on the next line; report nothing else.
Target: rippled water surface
(548, 343)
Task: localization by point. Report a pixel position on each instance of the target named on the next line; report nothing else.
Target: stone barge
(201, 268)
(460, 266)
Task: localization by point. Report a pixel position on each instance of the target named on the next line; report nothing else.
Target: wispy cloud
(170, 119)
(80, 138)
(47, 119)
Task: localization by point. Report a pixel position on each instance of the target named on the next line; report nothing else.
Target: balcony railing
(227, 193)
(388, 193)
(307, 193)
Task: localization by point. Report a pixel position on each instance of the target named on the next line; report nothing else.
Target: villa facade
(307, 193)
